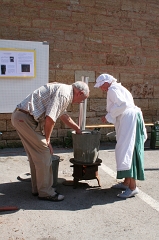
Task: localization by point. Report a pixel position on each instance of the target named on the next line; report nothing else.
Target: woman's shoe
(128, 193)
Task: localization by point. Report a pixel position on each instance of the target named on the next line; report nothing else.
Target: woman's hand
(103, 119)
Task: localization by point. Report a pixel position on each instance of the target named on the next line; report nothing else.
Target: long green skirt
(137, 167)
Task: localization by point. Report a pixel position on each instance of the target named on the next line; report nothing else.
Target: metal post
(83, 108)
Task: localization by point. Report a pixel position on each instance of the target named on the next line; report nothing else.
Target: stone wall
(119, 37)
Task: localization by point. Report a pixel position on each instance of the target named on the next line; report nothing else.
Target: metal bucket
(55, 166)
(86, 146)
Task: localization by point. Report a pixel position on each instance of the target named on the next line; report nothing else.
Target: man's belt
(21, 110)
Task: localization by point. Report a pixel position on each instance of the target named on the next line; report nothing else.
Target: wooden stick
(111, 125)
(8, 208)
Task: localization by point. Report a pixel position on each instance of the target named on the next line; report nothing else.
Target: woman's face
(105, 87)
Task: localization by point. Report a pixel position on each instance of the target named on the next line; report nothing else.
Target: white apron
(122, 112)
(125, 127)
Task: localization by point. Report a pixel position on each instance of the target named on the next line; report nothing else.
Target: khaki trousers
(37, 151)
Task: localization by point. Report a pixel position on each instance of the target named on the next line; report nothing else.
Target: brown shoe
(35, 194)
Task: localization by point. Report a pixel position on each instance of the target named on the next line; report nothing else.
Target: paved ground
(88, 212)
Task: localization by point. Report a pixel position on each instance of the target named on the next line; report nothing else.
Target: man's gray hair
(82, 86)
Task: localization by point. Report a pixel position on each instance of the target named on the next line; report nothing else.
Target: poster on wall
(17, 63)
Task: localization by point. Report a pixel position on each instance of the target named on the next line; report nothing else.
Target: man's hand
(48, 127)
(51, 149)
(70, 123)
(79, 131)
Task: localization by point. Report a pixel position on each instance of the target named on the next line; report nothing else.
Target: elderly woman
(130, 133)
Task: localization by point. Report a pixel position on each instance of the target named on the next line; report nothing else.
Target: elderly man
(130, 133)
(34, 119)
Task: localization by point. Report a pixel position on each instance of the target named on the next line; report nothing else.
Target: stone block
(74, 115)
(137, 61)
(112, 39)
(56, 4)
(5, 116)
(20, 21)
(96, 93)
(152, 79)
(60, 57)
(98, 105)
(10, 126)
(64, 25)
(57, 141)
(14, 143)
(3, 143)
(97, 60)
(115, 5)
(80, 73)
(117, 60)
(133, 41)
(137, 25)
(107, 21)
(90, 115)
(152, 62)
(3, 125)
(11, 135)
(142, 91)
(74, 36)
(62, 132)
(156, 92)
(94, 121)
(93, 37)
(133, 6)
(54, 133)
(82, 17)
(30, 3)
(65, 76)
(142, 103)
(89, 3)
(72, 66)
(150, 52)
(130, 78)
(29, 13)
(75, 108)
(75, 7)
(147, 17)
(82, 58)
(153, 104)
(62, 15)
(152, 8)
(125, 23)
(10, 32)
(52, 75)
(125, 32)
(96, 47)
(149, 42)
(149, 114)
(27, 32)
(41, 23)
(67, 46)
(120, 50)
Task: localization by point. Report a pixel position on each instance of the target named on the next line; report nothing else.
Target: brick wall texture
(120, 37)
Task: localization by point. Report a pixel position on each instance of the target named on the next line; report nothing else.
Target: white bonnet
(104, 78)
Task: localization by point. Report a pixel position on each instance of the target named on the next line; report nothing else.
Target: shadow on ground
(83, 197)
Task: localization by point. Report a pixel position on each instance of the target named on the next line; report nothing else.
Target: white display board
(13, 89)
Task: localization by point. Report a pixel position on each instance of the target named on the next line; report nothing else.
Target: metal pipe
(83, 108)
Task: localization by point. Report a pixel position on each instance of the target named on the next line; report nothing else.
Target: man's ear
(80, 93)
